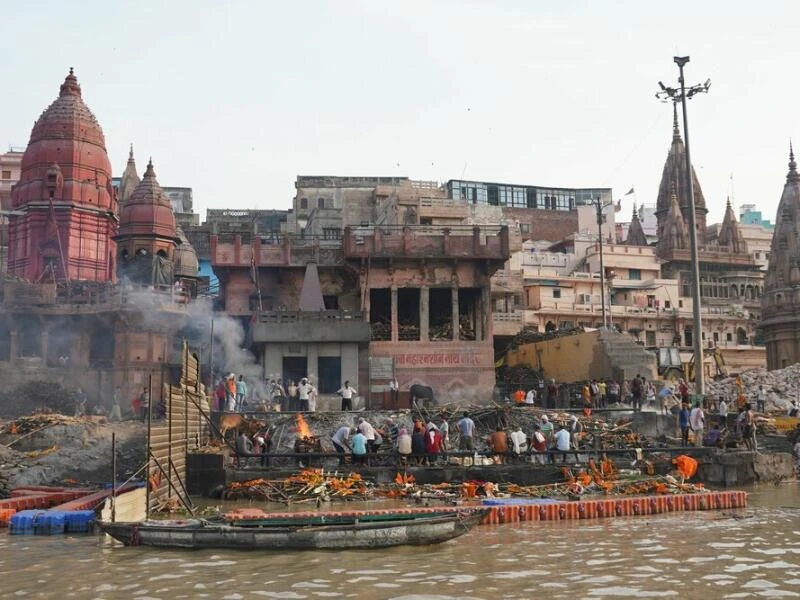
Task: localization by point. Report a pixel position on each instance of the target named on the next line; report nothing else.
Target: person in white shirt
(394, 391)
(530, 397)
(303, 393)
(347, 392)
(722, 407)
(312, 397)
(368, 431)
(340, 441)
(697, 421)
(519, 441)
(562, 442)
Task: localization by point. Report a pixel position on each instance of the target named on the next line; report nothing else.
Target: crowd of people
(429, 443)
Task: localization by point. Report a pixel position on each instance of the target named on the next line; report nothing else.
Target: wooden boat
(419, 529)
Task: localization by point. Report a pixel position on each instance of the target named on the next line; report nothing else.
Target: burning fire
(302, 428)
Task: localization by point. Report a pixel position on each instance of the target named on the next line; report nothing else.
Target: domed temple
(64, 203)
(147, 234)
(96, 292)
(780, 304)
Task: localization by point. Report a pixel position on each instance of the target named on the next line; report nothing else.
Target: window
(320, 202)
(303, 202)
(728, 337)
(667, 304)
(634, 274)
(524, 228)
(6, 174)
(716, 336)
(556, 293)
(331, 233)
(331, 302)
(680, 303)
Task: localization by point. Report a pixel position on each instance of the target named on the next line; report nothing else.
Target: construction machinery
(674, 364)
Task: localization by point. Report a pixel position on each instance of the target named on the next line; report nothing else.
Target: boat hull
(198, 534)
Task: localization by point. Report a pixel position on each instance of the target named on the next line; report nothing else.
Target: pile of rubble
(10, 464)
(782, 386)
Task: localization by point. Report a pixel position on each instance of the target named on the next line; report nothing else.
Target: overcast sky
(236, 101)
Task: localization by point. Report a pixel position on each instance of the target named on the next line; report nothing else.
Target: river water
(704, 555)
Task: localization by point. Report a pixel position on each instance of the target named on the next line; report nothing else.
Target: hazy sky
(235, 99)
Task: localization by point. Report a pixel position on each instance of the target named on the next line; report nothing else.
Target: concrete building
(781, 300)
(10, 168)
(748, 215)
(407, 301)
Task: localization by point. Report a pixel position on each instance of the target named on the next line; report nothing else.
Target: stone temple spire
(730, 234)
(636, 236)
(672, 230)
(129, 181)
(780, 302)
(675, 174)
(676, 133)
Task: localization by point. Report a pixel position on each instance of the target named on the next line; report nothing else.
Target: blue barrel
(80, 521)
(22, 522)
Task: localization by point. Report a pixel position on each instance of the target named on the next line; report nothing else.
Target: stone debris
(781, 387)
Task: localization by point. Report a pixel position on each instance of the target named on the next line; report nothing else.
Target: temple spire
(792, 176)
(676, 133)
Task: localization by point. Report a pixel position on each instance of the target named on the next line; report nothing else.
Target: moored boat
(421, 529)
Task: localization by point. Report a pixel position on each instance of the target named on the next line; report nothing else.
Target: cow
(422, 394)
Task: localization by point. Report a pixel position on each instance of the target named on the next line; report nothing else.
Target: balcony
(507, 323)
(487, 242)
(310, 327)
(274, 251)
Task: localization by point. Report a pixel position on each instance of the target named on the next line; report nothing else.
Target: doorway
(330, 374)
(294, 368)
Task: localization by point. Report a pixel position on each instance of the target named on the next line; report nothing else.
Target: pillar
(454, 300)
(45, 343)
(13, 348)
(312, 363)
(486, 316)
(395, 331)
(424, 313)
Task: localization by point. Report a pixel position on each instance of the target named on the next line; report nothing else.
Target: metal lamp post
(676, 95)
(598, 204)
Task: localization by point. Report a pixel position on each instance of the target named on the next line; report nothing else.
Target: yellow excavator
(671, 367)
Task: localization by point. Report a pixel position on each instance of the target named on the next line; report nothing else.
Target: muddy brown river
(703, 555)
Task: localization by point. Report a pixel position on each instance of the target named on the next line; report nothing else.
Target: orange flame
(302, 428)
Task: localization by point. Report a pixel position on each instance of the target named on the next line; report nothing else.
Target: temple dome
(147, 212)
(67, 134)
(185, 257)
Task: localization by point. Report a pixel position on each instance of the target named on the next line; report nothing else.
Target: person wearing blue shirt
(683, 421)
(358, 442)
(241, 394)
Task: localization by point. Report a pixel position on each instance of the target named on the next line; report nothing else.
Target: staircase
(626, 358)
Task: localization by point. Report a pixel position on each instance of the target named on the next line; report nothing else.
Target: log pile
(305, 486)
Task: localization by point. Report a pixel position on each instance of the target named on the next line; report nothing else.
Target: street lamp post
(599, 206)
(681, 95)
